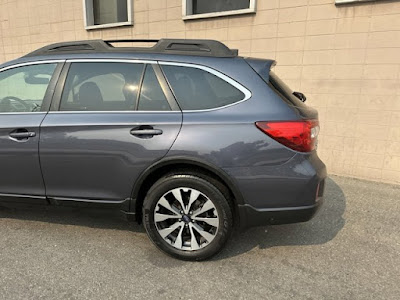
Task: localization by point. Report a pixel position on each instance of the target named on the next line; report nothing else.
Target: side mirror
(301, 96)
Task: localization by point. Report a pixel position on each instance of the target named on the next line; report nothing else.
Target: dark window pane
(197, 89)
(23, 89)
(101, 87)
(285, 91)
(110, 11)
(207, 6)
(151, 95)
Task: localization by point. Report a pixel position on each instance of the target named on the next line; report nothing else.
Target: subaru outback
(187, 136)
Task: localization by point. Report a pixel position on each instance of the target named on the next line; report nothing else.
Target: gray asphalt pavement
(350, 250)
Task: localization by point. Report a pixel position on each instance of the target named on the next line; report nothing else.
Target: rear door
(109, 121)
(25, 95)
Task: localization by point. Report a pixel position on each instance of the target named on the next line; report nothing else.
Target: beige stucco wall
(346, 59)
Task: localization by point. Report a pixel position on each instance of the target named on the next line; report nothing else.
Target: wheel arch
(168, 165)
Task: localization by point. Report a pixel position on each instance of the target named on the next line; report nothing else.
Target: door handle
(22, 135)
(146, 132)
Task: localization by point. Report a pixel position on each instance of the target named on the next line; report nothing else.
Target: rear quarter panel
(267, 173)
(228, 137)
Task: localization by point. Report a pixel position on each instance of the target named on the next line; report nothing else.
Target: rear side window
(95, 86)
(197, 89)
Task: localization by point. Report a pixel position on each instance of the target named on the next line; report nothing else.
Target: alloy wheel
(186, 219)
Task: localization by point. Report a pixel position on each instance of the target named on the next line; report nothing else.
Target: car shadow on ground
(100, 218)
(323, 228)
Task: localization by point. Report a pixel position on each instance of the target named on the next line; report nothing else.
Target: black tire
(199, 183)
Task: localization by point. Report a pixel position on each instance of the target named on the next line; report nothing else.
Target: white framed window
(351, 1)
(196, 9)
(107, 13)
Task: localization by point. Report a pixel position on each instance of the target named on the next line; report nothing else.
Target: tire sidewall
(166, 184)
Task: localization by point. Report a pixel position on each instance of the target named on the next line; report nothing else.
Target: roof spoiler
(261, 66)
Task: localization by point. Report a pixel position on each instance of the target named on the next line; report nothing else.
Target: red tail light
(297, 135)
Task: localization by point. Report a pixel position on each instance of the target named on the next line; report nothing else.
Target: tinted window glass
(198, 89)
(204, 6)
(106, 11)
(284, 90)
(105, 86)
(151, 95)
(23, 89)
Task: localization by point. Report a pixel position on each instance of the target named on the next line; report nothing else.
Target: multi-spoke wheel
(187, 216)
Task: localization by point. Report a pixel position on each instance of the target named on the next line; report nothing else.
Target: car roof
(175, 50)
(218, 57)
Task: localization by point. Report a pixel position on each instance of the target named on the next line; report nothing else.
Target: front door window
(22, 89)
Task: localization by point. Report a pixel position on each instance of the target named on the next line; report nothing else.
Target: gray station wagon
(187, 136)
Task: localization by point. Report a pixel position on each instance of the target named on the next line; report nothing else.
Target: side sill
(56, 199)
(122, 205)
(16, 199)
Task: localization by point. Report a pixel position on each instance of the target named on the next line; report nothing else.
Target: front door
(25, 94)
(114, 119)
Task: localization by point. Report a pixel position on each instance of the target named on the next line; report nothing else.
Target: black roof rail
(163, 46)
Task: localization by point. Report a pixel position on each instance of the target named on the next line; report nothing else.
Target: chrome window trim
(234, 83)
(113, 112)
(229, 80)
(224, 77)
(36, 62)
(24, 113)
(111, 60)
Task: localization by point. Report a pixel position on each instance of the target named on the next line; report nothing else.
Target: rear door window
(152, 97)
(197, 89)
(98, 86)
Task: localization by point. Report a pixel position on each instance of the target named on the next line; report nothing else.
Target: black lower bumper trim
(251, 217)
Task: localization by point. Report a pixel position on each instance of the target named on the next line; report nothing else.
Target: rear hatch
(300, 134)
(263, 68)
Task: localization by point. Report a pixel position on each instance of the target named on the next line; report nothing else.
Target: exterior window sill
(220, 14)
(340, 2)
(110, 25)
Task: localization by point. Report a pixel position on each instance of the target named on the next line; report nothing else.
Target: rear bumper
(251, 217)
(280, 194)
